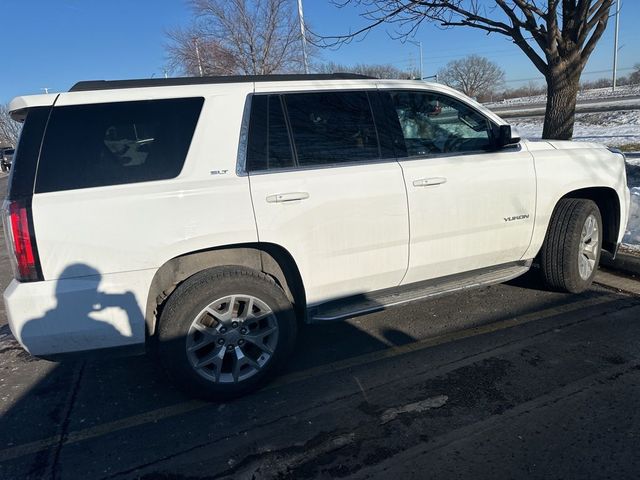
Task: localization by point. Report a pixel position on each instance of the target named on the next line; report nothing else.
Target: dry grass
(630, 147)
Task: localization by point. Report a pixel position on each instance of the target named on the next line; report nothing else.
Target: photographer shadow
(84, 317)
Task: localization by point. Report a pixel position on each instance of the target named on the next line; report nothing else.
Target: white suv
(202, 218)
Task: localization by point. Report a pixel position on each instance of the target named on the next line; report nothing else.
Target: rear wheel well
(270, 259)
(609, 205)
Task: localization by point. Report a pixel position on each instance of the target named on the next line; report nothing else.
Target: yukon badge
(517, 217)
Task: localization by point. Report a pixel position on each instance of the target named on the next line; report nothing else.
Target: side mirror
(506, 136)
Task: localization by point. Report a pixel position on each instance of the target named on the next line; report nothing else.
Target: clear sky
(54, 43)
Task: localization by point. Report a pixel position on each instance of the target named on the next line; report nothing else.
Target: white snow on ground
(592, 94)
(611, 128)
(632, 236)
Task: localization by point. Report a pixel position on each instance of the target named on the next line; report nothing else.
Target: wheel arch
(271, 259)
(606, 198)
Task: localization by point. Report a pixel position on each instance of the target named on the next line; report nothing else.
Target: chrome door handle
(287, 197)
(428, 182)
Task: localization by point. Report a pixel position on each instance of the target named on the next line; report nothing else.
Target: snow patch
(611, 128)
(632, 234)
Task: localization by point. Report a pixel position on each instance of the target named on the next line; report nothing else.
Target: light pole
(615, 47)
(303, 34)
(419, 44)
(195, 41)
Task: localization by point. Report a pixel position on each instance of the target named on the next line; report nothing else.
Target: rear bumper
(79, 315)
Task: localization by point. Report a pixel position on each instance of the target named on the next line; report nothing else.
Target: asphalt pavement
(509, 381)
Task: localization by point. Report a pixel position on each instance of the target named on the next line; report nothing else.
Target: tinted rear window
(332, 127)
(116, 143)
(23, 168)
(269, 146)
(311, 129)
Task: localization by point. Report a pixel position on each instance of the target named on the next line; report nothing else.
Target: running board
(382, 299)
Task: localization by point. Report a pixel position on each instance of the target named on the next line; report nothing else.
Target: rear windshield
(116, 143)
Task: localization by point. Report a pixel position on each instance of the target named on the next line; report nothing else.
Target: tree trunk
(562, 91)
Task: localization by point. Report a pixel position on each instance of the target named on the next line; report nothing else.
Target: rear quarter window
(116, 143)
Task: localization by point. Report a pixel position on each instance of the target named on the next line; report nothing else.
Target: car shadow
(531, 280)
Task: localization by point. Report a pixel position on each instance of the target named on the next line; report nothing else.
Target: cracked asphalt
(509, 381)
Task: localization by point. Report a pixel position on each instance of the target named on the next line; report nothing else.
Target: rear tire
(225, 332)
(571, 251)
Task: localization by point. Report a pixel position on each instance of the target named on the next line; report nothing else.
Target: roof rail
(166, 82)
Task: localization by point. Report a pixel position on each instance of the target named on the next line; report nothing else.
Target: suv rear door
(326, 189)
(471, 206)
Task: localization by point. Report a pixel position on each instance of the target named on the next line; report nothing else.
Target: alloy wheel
(232, 339)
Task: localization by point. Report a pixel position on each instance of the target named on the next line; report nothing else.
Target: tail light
(21, 243)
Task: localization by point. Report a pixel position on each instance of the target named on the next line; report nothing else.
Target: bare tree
(474, 75)
(371, 70)
(9, 129)
(249, 37)
(191, 54)
(558, 36)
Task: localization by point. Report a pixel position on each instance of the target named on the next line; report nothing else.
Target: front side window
(116, 143)
(435, 124)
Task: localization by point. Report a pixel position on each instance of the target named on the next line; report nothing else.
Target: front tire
(571, 251)
(225, 332)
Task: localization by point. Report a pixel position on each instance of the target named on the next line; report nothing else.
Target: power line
(491, 52)
(592, 72)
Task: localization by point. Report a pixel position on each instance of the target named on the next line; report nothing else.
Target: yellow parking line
(189, 406)
(103, 429)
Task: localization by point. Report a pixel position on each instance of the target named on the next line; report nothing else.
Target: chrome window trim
(515, 146)
(243, 141)
(324, 166)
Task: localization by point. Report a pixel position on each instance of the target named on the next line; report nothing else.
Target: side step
(380, 300)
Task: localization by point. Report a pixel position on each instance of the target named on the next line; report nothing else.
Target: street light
(419, 44)
(615, 47)
(304, 37)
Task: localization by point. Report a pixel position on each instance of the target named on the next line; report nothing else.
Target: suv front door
(326, 190)
(470, 206)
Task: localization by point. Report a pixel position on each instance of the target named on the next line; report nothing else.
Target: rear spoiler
(19, 106)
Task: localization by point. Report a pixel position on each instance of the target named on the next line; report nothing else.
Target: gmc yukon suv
(202, 219)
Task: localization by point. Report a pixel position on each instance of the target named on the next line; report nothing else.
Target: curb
(629, 264)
